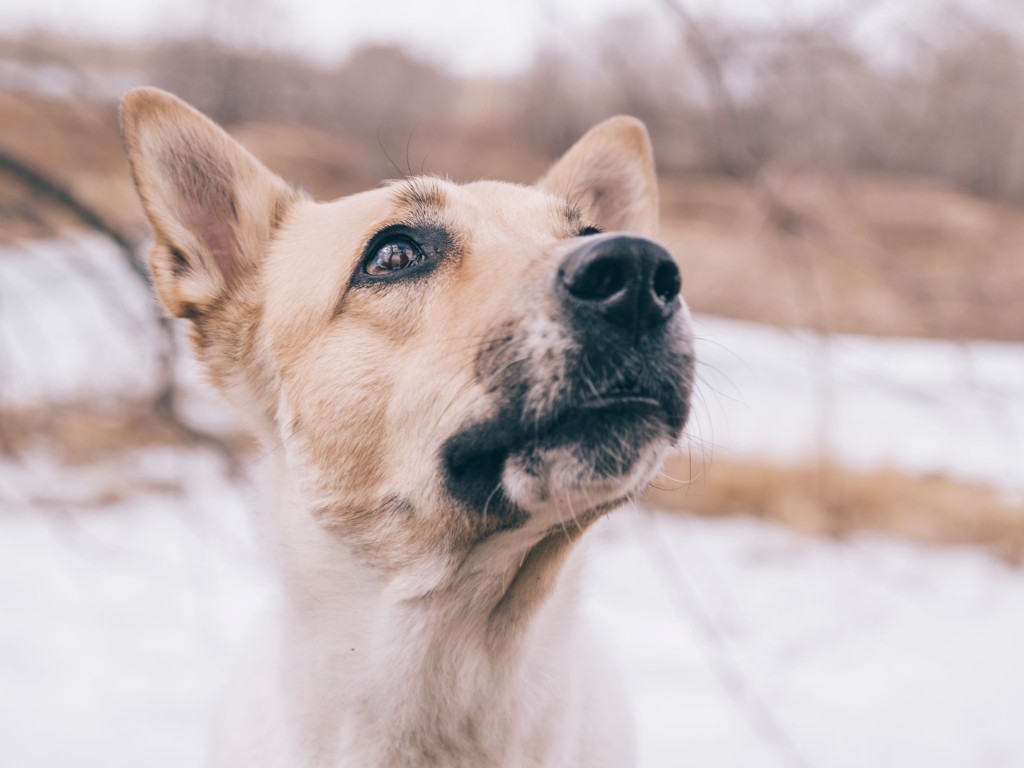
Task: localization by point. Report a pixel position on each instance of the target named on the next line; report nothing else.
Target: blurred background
(828, 573)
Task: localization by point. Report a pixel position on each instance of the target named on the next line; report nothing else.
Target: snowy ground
(126, 586)
(924, 406)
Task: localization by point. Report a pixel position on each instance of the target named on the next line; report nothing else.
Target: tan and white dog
(452, 383)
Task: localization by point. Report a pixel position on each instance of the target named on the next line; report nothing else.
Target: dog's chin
(556, 484)
(584, 460)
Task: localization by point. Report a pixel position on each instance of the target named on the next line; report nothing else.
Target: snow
(921, 405)
(868, 652)
(66, 80)
(120, 621)
(128, 585)
(63, 306)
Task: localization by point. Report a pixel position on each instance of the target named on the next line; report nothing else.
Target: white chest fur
(352, 672)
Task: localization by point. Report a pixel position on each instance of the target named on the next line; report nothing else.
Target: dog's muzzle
(589, 386)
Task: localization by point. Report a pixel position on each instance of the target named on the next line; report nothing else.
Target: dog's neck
(396, 667)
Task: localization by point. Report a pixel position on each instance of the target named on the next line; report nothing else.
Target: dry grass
(81, 433)
(887, 256)
(826, 500)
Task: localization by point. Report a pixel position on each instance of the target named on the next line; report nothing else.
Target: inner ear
(203, 196)
(609, 173)
(212, 205)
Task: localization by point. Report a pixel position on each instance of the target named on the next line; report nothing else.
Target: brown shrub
(824, 499)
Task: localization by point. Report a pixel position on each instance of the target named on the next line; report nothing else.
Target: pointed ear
(213, 206)
(609, 173)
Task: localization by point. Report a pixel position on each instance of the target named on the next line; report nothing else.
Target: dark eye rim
(589, 231)
(429, 243)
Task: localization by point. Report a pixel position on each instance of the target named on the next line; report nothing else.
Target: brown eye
(392, 256)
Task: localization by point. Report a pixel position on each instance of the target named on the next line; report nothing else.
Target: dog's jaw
(566, 489)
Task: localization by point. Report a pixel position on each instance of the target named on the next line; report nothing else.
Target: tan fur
(354, 389)
(610, 175)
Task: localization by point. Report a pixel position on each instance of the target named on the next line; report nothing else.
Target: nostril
(625, 282)
(598, 280)
(667, 281)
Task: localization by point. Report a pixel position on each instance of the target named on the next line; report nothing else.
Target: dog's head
(438, 362)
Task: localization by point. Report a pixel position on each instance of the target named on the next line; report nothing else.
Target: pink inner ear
(213, 227)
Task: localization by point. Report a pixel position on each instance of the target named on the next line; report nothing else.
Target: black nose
(627, 281)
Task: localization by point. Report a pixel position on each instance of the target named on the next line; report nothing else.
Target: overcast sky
(470, 35)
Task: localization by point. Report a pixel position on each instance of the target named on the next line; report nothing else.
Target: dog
(453, 383)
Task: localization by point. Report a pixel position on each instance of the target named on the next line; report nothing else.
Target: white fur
(351, 666)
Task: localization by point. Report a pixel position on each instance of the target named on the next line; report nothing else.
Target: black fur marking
(179, 264)
(617, 400)
(473, 461)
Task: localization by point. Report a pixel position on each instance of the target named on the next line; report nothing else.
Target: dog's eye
(587, 231)
(400, 252)
(392, 256)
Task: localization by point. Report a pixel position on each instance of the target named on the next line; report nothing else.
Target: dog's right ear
(609, 173)
(212, 205)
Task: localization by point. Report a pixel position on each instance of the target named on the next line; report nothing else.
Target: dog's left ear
(610, 174)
